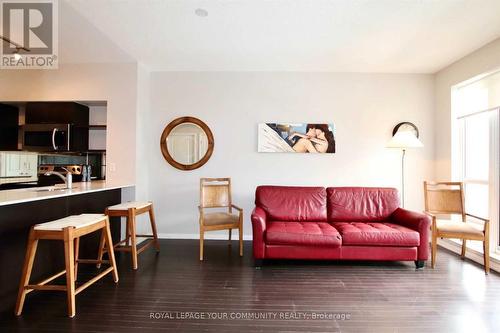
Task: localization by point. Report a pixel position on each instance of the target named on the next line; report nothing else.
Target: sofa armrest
(418, 222)
(258, 230)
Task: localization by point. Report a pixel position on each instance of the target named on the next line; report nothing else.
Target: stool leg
(153, 228)
(127, 236)
(101, 248)
(240, 230)
(230, 234)
(70, 269)
(27, 267)
(131, 226)
(77, 249)
(241, 240)
(111, 252)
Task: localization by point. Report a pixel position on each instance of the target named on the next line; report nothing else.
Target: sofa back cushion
(292, 203)
(361, 203)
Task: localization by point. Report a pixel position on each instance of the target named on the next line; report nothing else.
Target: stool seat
(131, 204)
(76, 221)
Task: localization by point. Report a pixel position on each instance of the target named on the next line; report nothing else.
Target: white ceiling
(392, 36)
(80, 41)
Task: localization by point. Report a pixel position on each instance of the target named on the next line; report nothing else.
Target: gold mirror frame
(168, 130)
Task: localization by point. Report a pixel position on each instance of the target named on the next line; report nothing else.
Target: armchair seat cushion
(376, 234)
(220, 218)
(302, 233)
(457, 227)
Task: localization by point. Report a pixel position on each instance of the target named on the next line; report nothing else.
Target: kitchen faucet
(68, 180)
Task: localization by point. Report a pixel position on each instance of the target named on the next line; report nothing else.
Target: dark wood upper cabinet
(57, 113)
(9, 125)
(75, 114)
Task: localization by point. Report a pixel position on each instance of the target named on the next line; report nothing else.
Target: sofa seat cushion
(302, 233)
(377, 234)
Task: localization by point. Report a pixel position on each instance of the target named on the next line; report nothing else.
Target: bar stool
(130, 210)
(69, 230)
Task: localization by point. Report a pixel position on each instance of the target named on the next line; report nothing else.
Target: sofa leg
(257, 263)
(419, 263)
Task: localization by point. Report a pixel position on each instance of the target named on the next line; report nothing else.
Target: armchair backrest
(444, 198)
(215, 192)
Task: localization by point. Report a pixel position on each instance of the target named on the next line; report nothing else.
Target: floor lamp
(404, 136)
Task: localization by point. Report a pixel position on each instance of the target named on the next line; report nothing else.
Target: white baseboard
(471, 254)
(208, 236)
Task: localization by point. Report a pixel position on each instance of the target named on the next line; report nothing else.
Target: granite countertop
(10, 197)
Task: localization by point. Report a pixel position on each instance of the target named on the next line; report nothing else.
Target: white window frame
(458, 167)
(494, 174)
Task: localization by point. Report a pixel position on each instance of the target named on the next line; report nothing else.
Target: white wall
(364, 108)
(480, 61)
(114, 83)
(144, 137)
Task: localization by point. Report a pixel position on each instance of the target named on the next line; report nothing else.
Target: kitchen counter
(20, 209)
(9, 197)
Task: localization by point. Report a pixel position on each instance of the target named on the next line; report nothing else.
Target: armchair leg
(419, 264)
(486, 251)
(464, 247)
(486, 247)
(433, 251)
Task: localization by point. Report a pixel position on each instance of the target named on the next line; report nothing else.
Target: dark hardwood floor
(376, 297)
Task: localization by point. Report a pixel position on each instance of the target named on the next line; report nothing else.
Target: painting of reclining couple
(296, 138)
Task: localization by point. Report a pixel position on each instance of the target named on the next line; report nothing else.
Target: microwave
(47, 137)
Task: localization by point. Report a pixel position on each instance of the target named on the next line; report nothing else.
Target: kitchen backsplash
(66, 159)
(96, 160)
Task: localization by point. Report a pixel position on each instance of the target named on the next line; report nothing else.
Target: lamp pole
(403, 178)
(404, 136)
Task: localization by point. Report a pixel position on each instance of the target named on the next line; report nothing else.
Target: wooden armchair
(447, 198)
(216, 193)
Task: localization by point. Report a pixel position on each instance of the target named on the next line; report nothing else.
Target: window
(475, 148)
(474, 135)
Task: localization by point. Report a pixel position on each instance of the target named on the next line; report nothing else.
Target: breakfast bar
(20, 209)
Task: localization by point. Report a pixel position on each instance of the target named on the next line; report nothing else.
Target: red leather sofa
(343, 223)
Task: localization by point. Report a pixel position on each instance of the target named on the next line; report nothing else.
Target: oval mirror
(187, 143)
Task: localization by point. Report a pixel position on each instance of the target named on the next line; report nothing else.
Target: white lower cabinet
(17, 167)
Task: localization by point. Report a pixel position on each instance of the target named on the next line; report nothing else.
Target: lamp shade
(404, 139)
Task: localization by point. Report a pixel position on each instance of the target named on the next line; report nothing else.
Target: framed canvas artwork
(296, 138)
